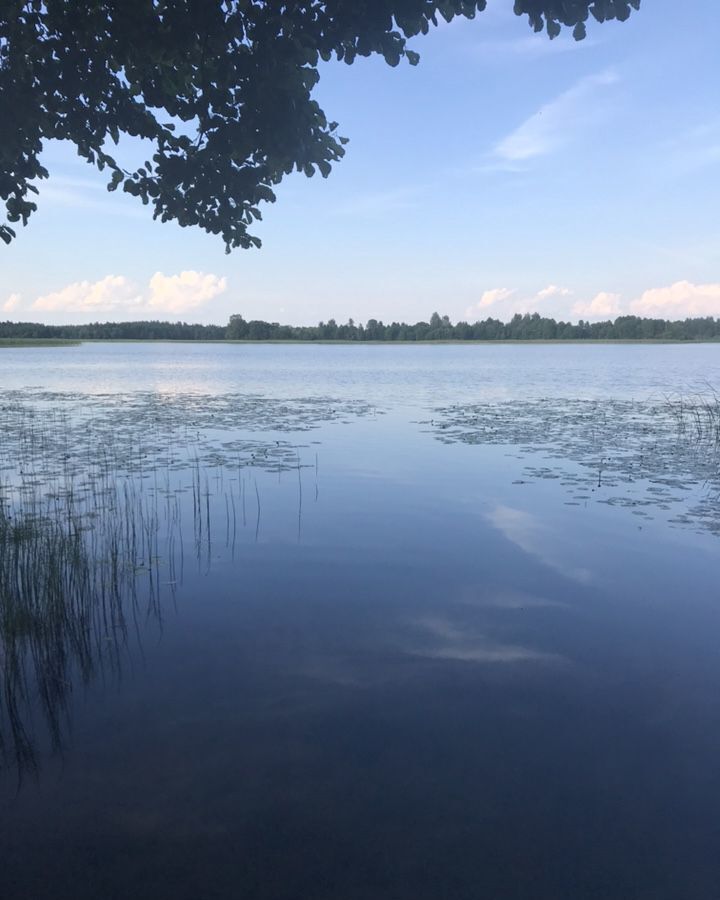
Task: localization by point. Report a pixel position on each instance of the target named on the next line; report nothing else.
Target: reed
(697, 416)
(69, 570)
(95, 494)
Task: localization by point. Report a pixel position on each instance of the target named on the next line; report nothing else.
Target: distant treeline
(529, 327)
(118, 331)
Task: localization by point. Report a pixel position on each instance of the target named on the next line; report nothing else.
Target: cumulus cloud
(107, 295)
(512, 302)
(115, 294)
(679, 300)
(494, 295)
(183, 292)
(554, 123)
(553, 290)
(489, 298)
(602, 306)
(12, 303)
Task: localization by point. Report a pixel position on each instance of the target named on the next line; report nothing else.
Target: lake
(360, 622)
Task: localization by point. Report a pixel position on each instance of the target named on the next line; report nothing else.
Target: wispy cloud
(525, 49)
(695, 148)
(380, 202)
(164, 294)
(84, 193)
(491, 167)
(555, 123)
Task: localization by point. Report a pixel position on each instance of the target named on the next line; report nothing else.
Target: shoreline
(458, 343)
(11, 343)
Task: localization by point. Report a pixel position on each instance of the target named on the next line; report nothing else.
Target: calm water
(392, 622)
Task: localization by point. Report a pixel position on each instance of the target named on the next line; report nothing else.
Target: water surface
(364, 622)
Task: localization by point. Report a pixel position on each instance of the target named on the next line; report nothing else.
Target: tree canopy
(220, 90)
(528, 327)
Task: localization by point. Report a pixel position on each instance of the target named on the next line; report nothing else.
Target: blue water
(410, 668)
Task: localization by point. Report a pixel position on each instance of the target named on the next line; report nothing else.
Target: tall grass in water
(93, 496)
(697, 416)
(68, 595)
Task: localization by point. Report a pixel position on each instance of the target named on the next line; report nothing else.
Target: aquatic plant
(100, 497)
(660, 455)
(69, 566)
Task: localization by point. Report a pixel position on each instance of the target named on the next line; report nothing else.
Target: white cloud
(602, 306)
(12, 303)
(107, 295)
(183, 292)
(380, 203)
(679, 300)
(511, 303)
(552, 125)
(489, 298)
(533, 46)
(494, 167)
(168, 294)
(494, 296)
(553, 290)
(82, 193)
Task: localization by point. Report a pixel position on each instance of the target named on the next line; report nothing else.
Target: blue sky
(505, 173)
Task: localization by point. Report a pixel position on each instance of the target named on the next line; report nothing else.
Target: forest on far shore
(528, 327)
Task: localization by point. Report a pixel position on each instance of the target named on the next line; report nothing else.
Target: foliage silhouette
(220, 91)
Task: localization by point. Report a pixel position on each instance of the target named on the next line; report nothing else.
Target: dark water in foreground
(366, 622)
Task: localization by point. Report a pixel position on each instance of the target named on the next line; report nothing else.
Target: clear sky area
(505, 173)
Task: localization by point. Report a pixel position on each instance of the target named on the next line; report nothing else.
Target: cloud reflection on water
(537, 539)
(447, 641)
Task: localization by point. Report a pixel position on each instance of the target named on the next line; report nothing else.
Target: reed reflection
(102, 507)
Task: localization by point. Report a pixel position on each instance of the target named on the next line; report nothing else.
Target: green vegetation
(654, 457)
(220, 91)
(37, 342)
(530, 327)
(119, 331)
(67, 594)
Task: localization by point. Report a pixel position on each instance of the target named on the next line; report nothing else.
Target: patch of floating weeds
(47, 431)
(95, 494)
(661, 454)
